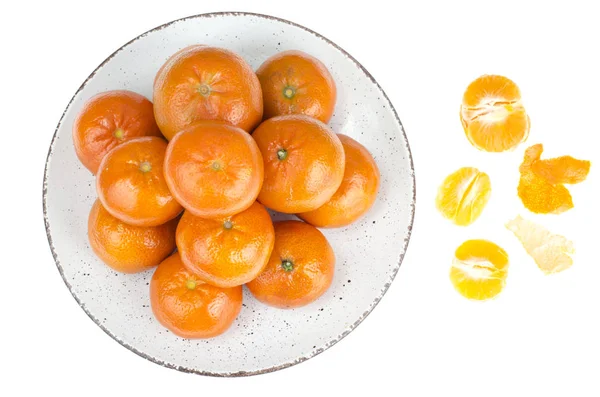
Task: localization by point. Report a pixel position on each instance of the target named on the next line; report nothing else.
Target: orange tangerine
(493, 115)
(463, 195)
(479, 269)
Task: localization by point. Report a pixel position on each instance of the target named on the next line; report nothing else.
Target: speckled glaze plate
(262, 339)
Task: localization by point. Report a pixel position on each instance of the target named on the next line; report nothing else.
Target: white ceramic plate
(262, 339)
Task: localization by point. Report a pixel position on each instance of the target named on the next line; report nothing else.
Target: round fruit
(227, 251)
(304, 163)
(109, 119)
(189, 307)
(356, 194)
(206, 83)
(463, 195)
(493, 115)
(127, 248)
(294, 82)
(300, 269)
(131, 184)
(213, 169)
(479, 269)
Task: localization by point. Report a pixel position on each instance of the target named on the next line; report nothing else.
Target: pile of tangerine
(196, 169)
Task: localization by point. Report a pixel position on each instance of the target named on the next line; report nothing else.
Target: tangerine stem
(282, 154)
(287, 265)
(119, 133)
(289, 92)
(145, 166)
(190, 284)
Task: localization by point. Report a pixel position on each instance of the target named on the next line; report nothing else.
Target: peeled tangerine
(551, 252)
(479, 269)
(541, 186)
(493, 115)
(463, 195)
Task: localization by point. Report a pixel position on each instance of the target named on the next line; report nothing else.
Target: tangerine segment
(493, 115)
(551, 252)
(479, 269)
(463, 195)
(541, 184)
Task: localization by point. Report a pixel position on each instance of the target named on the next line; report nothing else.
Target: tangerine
(299, 270)
(109, 119)
(227, 251)
(493, 115)
(213, 169)
(206, 83)
(131, 184)
(479, 269)
(188, 307)
(127, 248)
(303, 163)
(294, 82)
(356, 194)
(463, 195)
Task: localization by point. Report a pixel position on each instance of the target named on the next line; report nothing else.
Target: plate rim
(237, 373)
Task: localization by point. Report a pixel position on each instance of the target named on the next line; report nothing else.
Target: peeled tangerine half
(479, 269)
(463, 195)
(541, 186)
(493, 115)
(551, 252)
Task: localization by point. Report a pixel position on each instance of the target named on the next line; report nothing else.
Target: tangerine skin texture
(228, 251)
(356, 194)
(214, 170)
(313, 262)
(127, 248)
(129, 193)
(102, 116)
(541, 186)
(312, 87)
(313, 167)
(206, 83)
(202, 312)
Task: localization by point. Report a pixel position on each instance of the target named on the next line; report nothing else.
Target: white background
(541, 336)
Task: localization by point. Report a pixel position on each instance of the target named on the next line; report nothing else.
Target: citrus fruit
(127, 248)
(294, 82)
(131, 184)
(226, 251)
(206, 83)
(551, 252)
(356, 194)
(299, 270)
(304, 163)
(541, 186)
(214, 169)
(463, 195)
(492, 114)
(188, 307)
(109, 119)
(479, 269)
